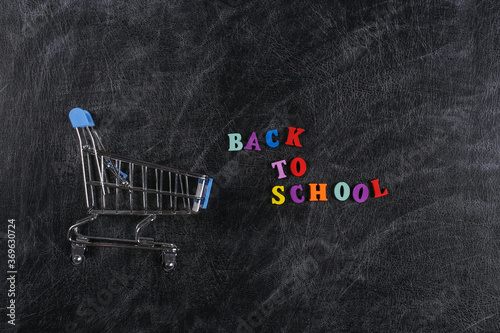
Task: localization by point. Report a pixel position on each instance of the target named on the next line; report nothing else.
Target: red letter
(293, 166)
(315, 192)
(293, 137)
(376, 189)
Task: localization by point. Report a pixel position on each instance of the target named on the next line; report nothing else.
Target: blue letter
(269, 138)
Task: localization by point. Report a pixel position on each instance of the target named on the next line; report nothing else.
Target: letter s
(281, 197)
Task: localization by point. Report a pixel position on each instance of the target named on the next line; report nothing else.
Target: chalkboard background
(401, 91)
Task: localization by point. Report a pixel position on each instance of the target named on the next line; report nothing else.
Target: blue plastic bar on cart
(206, 192)
(80, 118)
(123, 174)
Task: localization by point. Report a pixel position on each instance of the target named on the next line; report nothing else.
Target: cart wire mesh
(120, 185)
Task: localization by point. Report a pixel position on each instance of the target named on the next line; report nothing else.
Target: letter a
(252, 142)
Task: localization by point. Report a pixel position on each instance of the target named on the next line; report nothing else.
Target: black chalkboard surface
(398, 96)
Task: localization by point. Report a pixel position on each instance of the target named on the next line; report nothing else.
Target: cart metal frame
(120, 185)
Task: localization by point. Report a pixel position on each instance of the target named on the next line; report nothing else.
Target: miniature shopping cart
(118, 185)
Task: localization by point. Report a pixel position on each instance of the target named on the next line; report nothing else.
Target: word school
(317, 192)
(298, 167)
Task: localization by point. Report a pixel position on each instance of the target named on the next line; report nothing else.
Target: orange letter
(315, 192)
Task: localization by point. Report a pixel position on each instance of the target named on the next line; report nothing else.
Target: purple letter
(280, 168)
(357, 189)
(252, 142)
(293, 194)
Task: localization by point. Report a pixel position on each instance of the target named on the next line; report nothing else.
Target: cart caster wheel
(168, 261)
(168, 267)
(77, 253)
(77, 259)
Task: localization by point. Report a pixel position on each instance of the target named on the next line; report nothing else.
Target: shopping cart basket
(118, 185)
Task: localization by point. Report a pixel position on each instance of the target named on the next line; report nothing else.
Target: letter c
(269, 138)
(293, 193)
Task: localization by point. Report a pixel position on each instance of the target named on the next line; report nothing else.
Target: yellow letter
(281, 197)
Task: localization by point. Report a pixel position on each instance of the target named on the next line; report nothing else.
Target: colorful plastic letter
(315, 192)
(293, 166)
(235, 142)
(279, 164)
(293, 137)
(376, 189)
(252, 142)
(357, 189)
(269, 138)
(342, 187)
(293, 194)
(280, 196)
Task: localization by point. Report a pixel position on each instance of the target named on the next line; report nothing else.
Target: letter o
(293, 166)
(357, 189)
(337, 191)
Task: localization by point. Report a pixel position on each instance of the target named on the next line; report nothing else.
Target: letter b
(235, 142)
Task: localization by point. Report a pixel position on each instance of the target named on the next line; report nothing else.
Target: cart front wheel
(168, 261)
(168, 267)
(77, 253)
(77, 259)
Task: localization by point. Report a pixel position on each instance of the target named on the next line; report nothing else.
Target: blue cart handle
(206, 192)
(80, 118)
